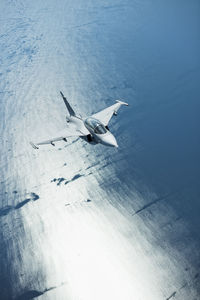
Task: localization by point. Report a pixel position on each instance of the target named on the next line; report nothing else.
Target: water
(88, 222)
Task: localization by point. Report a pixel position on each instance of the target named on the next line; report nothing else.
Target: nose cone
(114, 143)
(109, 140)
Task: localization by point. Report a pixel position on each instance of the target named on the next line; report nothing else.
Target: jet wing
(61, 136)
(106, 114)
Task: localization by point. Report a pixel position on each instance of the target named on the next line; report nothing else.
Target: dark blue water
(127, 218)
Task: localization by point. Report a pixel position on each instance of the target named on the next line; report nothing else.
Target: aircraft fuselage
(97, 132)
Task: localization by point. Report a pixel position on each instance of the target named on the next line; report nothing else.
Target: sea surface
(84, 222)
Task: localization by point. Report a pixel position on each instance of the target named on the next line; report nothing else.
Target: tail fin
(70, 109)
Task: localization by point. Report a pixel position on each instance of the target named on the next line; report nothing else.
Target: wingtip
(33, 145)
(121, 102)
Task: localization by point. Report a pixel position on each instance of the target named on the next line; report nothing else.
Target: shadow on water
(153, 202)
(33, 294)
(6, 210)
(21, 204)
(62, 179)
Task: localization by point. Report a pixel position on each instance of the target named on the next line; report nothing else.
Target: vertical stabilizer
(70, 109)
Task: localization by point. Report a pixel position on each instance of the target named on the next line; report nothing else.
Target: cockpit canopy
(96, 126)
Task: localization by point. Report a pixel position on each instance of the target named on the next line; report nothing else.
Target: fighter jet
(93, 129)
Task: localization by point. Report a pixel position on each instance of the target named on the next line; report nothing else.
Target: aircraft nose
(114, 143)
(110, 141)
